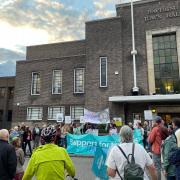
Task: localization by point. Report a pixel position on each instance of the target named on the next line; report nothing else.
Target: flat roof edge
(145, 98)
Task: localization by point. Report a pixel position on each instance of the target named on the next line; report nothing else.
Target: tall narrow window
(76, 112)
(53, 111)
(57, 82)
(34, 113)
(166, 69)
(35, 84)
(2, 92)
(79, 80)
(103, 71)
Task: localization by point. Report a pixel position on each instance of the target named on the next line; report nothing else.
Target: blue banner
(86, 144)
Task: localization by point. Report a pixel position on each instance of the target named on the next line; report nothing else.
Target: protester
(174, 157)
(112, 129)
(8, 160)
(146, 132)
(49, 161)
(116, 161)
(27, 139)
(13, 133)
(155, 137)
(64, 130)
(77, 128)
(36, 136)
(169, 144)
(20, 158)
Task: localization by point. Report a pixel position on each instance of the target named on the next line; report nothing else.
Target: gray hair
(126, 134)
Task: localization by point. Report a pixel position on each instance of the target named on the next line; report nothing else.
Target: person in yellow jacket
(49, 162)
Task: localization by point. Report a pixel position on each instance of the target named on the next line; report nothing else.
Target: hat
(177, 133)
(158, 119)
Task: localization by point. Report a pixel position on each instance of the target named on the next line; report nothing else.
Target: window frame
(51, 119)
(60, 81)
(75, 80)
(37, 94)
(75, 106)
(100, 65)
(40, 108)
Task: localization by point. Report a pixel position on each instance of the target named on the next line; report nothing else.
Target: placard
(68, 120)
(59, 117)
(148, 115)
(82, 120)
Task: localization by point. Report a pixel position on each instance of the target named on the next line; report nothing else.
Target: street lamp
(135, 89)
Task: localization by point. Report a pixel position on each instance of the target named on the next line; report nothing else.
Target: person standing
(28, 139)
(36, 136)
(49, 162)
(8, 161)
(16, 142)
(155, 137)
(116, 161)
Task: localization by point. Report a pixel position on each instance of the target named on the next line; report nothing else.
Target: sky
(31, 22)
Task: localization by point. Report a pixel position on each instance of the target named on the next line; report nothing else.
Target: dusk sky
(30, 22)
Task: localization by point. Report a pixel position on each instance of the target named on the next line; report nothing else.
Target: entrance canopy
(146, 98)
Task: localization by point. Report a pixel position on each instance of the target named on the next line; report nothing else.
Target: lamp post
(135, 89)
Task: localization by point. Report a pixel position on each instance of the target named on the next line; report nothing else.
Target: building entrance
(167, 117)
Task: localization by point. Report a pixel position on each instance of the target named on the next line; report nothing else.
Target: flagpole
(135, 89)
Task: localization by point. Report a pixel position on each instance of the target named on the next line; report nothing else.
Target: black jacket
(8, 161)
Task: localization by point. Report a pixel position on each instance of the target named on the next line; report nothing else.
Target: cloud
(8, 61)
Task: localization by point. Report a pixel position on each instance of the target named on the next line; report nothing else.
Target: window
(57, 82)
(53, 111)
(79, 80)
(9, 115)
(166, 64)
(1, 115)
(35, 85)
(103, 71)
(2, 92)
(34, 113)
(76, 112)
(11, 92)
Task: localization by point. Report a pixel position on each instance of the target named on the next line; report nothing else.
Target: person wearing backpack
(174, 155)
(128, 161)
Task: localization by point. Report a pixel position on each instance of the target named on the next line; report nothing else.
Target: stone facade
(109, 38)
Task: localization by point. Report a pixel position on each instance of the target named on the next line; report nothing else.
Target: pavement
(83, 168)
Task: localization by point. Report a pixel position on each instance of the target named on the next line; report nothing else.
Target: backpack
(132, 171)
(174, 154)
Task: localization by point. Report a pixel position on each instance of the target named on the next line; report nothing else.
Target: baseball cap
(158, 119)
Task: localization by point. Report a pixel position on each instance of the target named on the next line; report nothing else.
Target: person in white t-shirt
(116, 159)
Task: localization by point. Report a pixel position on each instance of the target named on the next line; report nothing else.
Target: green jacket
(167, 146)
(49, 162)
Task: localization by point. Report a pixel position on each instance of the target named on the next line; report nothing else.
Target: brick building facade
(97, 73)
(6, 101)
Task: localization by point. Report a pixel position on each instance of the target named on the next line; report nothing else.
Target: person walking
(8, 161)
(16, 142)
(116, 160)
(157, 134)
(49, 161)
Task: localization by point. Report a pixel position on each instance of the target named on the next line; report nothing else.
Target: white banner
(101, 117)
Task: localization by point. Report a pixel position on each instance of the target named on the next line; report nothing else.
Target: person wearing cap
(116, 161)
(157, 134)
(48, 161)
(8, 160)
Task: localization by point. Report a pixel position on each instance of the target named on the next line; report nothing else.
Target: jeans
(171, 178)
(157, 163)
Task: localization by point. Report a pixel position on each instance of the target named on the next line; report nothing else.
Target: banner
(98, 166)
(86, 144)
(101, 117)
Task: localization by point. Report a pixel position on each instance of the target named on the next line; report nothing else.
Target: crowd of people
(49, 158)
